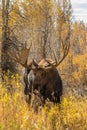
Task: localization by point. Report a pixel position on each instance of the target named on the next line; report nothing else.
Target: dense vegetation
(39, 23)
(15, 114)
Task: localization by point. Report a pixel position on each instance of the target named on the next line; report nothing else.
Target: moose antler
(47, 63)
(21, 56)
(65, 50)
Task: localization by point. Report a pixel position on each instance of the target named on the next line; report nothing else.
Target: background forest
(43, 25)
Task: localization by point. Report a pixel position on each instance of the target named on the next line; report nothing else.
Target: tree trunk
(6, 63)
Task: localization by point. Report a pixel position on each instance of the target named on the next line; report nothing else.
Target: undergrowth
(15, 114)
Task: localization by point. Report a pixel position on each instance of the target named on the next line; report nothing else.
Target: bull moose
(48, 83)
(41, 78)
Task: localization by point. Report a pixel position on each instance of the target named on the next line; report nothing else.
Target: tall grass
(15, 114)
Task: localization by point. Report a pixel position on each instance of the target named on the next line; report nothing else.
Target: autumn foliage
(43, 23)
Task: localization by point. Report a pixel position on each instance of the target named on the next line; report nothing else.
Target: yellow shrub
(15, 114)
